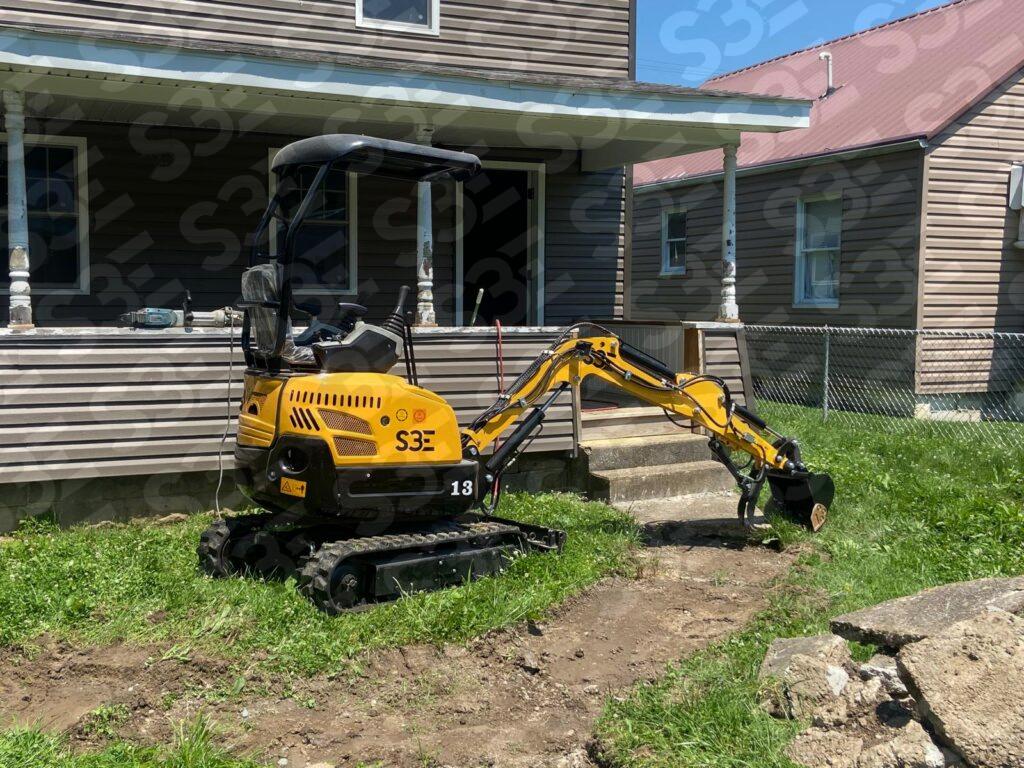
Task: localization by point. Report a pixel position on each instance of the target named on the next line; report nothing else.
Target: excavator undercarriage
(369, 486)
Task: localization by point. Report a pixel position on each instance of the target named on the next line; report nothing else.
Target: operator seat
(260, 286)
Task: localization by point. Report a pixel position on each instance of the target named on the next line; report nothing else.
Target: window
(57, 213)
(673, 243)
(326, 243)
(420, 16)
(818, 239)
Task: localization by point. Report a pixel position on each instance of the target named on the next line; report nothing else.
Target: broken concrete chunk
(782, 651)
(883, 668)
(968, 682)
(816, 748)
(812, 677)
(910, 747)
(909, 619)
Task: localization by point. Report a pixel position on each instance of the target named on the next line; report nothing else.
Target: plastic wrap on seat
(260, 284)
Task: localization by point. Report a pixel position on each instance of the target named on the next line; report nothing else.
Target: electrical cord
(227, 420)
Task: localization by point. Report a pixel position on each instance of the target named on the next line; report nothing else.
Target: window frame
(432, 28)
(799, 260)
(82, 287)
(352, 203)
(666, 270)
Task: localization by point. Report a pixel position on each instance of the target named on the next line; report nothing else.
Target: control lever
(395, 322)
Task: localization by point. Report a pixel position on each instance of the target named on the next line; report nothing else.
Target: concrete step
(683, 519)
(660, 481)
(655, 450)
(626, 422)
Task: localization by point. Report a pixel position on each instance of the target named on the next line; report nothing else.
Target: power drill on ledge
(155, 318)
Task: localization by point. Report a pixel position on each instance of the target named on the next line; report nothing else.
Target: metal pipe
(825, 393)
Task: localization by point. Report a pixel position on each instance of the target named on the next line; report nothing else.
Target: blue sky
(684, 42)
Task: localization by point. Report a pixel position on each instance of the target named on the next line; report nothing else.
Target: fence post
(824, 389)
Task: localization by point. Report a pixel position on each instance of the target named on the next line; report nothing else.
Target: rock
(813, 678)
(818, 748)
(591, 690)
(528, 662)
(576, 759)
(883, 668)
(904, 620)
(967, 682)
(911, 747)
(782, 651)
(177, 517)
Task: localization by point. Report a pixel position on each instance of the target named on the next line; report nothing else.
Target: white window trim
(537, 222)
(433, 27)
(799, 251)
(666, 270)
(352, 202)
(81, 147)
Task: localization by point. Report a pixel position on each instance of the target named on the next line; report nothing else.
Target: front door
(498, 248)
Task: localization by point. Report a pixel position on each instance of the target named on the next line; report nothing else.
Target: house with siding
(137, 145)
(890, 211)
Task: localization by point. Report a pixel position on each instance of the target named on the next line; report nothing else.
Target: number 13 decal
(463, 488)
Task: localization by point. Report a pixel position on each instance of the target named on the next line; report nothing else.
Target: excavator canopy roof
(379, 157)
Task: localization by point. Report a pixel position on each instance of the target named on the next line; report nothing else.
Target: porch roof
(612, 123)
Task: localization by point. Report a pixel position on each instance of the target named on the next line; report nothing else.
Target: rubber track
(315, 575)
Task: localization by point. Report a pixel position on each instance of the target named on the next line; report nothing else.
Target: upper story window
(58, 213)
(419, 16)
(819, 227)
(673, 242)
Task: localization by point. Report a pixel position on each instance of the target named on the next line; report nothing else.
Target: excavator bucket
(804, 499)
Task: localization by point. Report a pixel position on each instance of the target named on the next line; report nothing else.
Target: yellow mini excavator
(370, 487)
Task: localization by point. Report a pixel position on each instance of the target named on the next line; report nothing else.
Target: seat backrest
(262, 283)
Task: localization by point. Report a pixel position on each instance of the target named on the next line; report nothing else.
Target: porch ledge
(86, 332)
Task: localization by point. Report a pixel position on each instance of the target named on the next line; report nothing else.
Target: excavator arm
(698, 399)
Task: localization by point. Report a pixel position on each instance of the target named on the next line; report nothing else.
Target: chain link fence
(959, 383)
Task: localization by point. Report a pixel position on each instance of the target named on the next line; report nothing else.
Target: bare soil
(522, 697)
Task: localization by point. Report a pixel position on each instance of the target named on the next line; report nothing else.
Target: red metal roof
(906, 79)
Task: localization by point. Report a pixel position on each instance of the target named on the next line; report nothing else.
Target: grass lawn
(193, 748)
(912, 510)
(139, 583)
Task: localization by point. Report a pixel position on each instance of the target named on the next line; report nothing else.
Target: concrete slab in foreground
(909, 619)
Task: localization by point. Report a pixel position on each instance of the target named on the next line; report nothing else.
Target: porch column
(425, 315)
(17, 212)
(729, 311)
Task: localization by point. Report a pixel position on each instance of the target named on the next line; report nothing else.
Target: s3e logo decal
(415, 440)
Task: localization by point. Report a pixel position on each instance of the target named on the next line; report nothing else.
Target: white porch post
(729, 310)
(17, 212)
(425, 315)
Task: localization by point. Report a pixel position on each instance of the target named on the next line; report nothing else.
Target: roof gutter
(872, 150)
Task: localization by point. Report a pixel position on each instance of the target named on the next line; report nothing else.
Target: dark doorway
(497, 233)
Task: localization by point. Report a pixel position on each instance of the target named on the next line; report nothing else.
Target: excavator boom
(699, 399)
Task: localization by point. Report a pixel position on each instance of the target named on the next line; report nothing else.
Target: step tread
(622, 414)
(638, 440)
(687, 467)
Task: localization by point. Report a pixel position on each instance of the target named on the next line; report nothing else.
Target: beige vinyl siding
(973, 277)
(172, 208)
(878, 262)
(83, 406)
(568, 37)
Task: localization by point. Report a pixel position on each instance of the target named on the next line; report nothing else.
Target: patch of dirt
(524, 697)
